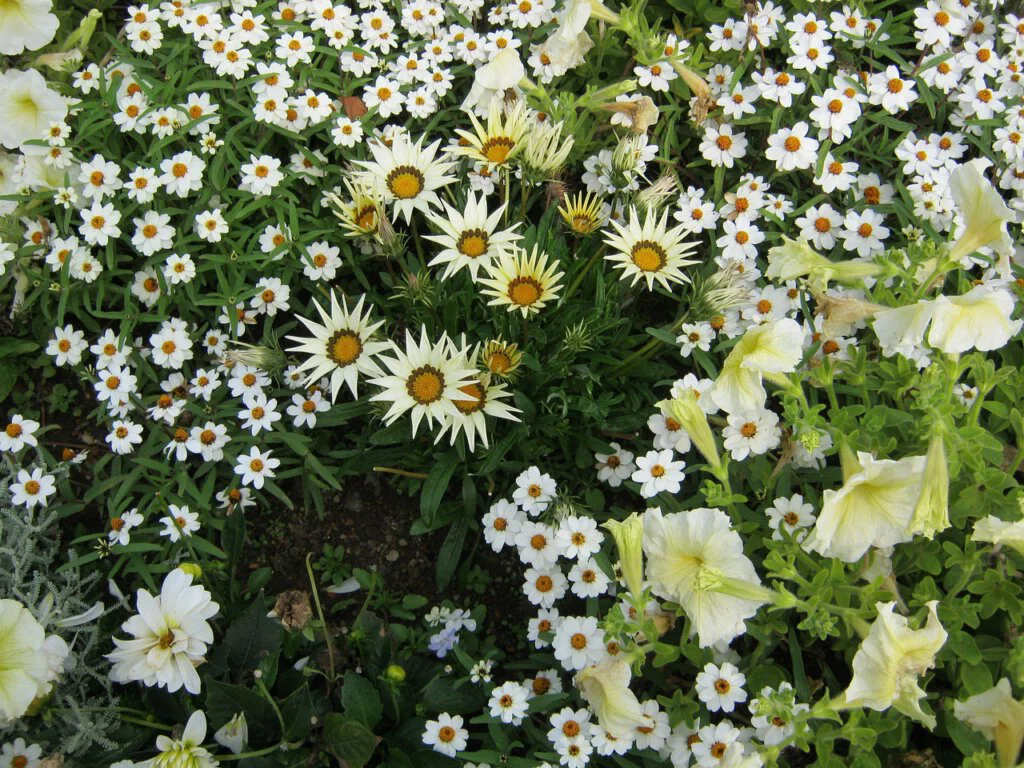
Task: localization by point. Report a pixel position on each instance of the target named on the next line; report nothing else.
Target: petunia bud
(629, 536)
(693, 419)
(931, 515)
(234, 734)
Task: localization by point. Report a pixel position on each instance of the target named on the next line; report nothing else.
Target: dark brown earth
(371, 520)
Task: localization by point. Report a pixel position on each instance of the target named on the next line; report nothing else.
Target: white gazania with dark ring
(650, 250)
(470, 239)
(425, 379)
(502, 139)
(341, 347)
(408, 174)
(486, 396)
(522, 281)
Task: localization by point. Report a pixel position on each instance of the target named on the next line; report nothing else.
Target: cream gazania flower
(341, 347)
(889, 661)
(999, 717)
(408, 174)
(29, 107)
(361, 214)
(470, 239)
(24, 669)
(605, 687)
(501, 140)
(696, 559)
(26, 24)
(521, 281)
(872, 509)
(770, 349)
(980, 319)
(650, 251)
(425, 378)
(484, 398)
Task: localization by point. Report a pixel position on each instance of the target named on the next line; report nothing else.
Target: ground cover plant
(541, 383)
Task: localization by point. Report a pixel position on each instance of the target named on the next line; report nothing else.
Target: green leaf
(349, 740)
(252, 637)
(436, 484)
(224, 701)
(441, 696)
(297, 711)
(232, 538)
(360, 699)
(11, 347)
(451, 552)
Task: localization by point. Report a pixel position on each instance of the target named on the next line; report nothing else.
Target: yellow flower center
(344, 347)
(405, 182)
(648, 256)
(525, 291)
(497, 149)
(472, 243)
(474, 390)
(425, 385)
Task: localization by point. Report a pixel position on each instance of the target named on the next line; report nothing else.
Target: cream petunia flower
(24, 668)
(521, 281)
(605, 687)
(999, 717)
(889, 661)
(29, 107)
(425, 378)
(408, 174)
(980, 319)
(341, 347)
(26, 25)
(984, 212)
(995, 531)
(696, 559)
(872, 509)
(769, 349)
(501, 140)
(493, 79)
(470, 239)
(650, 250)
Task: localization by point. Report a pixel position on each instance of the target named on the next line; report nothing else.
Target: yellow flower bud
(629, 537)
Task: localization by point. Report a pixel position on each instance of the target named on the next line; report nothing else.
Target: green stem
(323, 621)
(284, 745)
(581, 275)
(273, 704)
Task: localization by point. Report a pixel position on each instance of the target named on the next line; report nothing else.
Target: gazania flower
(649, 251)
(426, 379)
(502, 139)
(470, 239)
(582, 213)
(340, 347)
(170, 635)
(501, 359)
(523, 282)
(361, 214)
(408, 174)
(484, 398)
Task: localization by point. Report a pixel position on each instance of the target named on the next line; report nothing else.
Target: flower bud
(692, 418)
(395, 674)
(192, 569)
(629, 536)
(234, 734)
(931, 515)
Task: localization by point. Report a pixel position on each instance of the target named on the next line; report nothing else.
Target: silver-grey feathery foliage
(80, 713)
